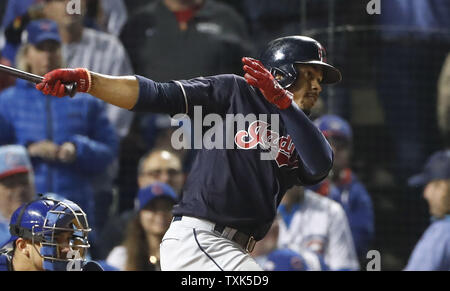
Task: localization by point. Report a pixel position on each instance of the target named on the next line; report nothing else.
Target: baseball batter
(231, 196)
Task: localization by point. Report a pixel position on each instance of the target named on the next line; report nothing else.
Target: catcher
(47, 235)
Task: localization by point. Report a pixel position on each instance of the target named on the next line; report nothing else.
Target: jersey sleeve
(213, 94)
(159, 97)
(314, 152)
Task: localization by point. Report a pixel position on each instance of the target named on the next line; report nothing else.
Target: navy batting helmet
(42, 220)
(281, 55)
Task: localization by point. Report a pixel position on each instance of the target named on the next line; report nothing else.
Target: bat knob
(71, 89)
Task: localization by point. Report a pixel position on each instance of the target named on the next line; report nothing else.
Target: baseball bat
(71, 89)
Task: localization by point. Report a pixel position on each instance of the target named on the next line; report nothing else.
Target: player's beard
(306, 103)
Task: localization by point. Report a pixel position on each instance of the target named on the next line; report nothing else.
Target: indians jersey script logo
(259, 133)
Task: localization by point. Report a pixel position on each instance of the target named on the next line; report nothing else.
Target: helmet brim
(331, 75)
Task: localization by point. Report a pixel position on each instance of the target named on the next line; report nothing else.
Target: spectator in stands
(5, 79)
(148, 132)
(415, 41)
(18, 13)
(16, 184)
(432, 252)
(112, 15)
(68, 142)
(156, 166)
(443, 103)
(310, 221)
(81, 46)
(103, 53)
(92, 49)
(272, 258)
(345, 187)
(140, 249)
(160, 166)
(213, 38)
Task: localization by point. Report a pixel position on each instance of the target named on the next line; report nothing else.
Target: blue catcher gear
(59, 226)
(281, 54)
(5, 260)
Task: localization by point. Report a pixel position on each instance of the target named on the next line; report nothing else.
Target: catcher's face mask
(63, 237)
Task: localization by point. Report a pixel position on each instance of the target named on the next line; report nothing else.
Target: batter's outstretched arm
(141, 94)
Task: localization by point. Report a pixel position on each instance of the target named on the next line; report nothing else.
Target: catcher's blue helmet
(281, 55)
(42, 220)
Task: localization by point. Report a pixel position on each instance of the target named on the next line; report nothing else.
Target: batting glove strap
(84, 80)
(283, 100)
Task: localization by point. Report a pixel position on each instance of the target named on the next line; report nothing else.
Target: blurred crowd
(390, 113)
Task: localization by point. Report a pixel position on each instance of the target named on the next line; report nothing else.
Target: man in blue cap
(16, 184)
(68, 143)
(432, 252)
(344, 186)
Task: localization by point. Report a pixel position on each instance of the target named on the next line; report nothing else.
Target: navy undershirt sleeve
(315, 153)
(212, 93)
(159, 97)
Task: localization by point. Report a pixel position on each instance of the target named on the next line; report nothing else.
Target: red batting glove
(258, 76)
(53, 83)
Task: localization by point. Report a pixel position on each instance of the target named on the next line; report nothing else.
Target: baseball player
(432, 252)
(231, 195)
(46, 234)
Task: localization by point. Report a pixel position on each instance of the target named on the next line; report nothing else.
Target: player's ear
(23, 247)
